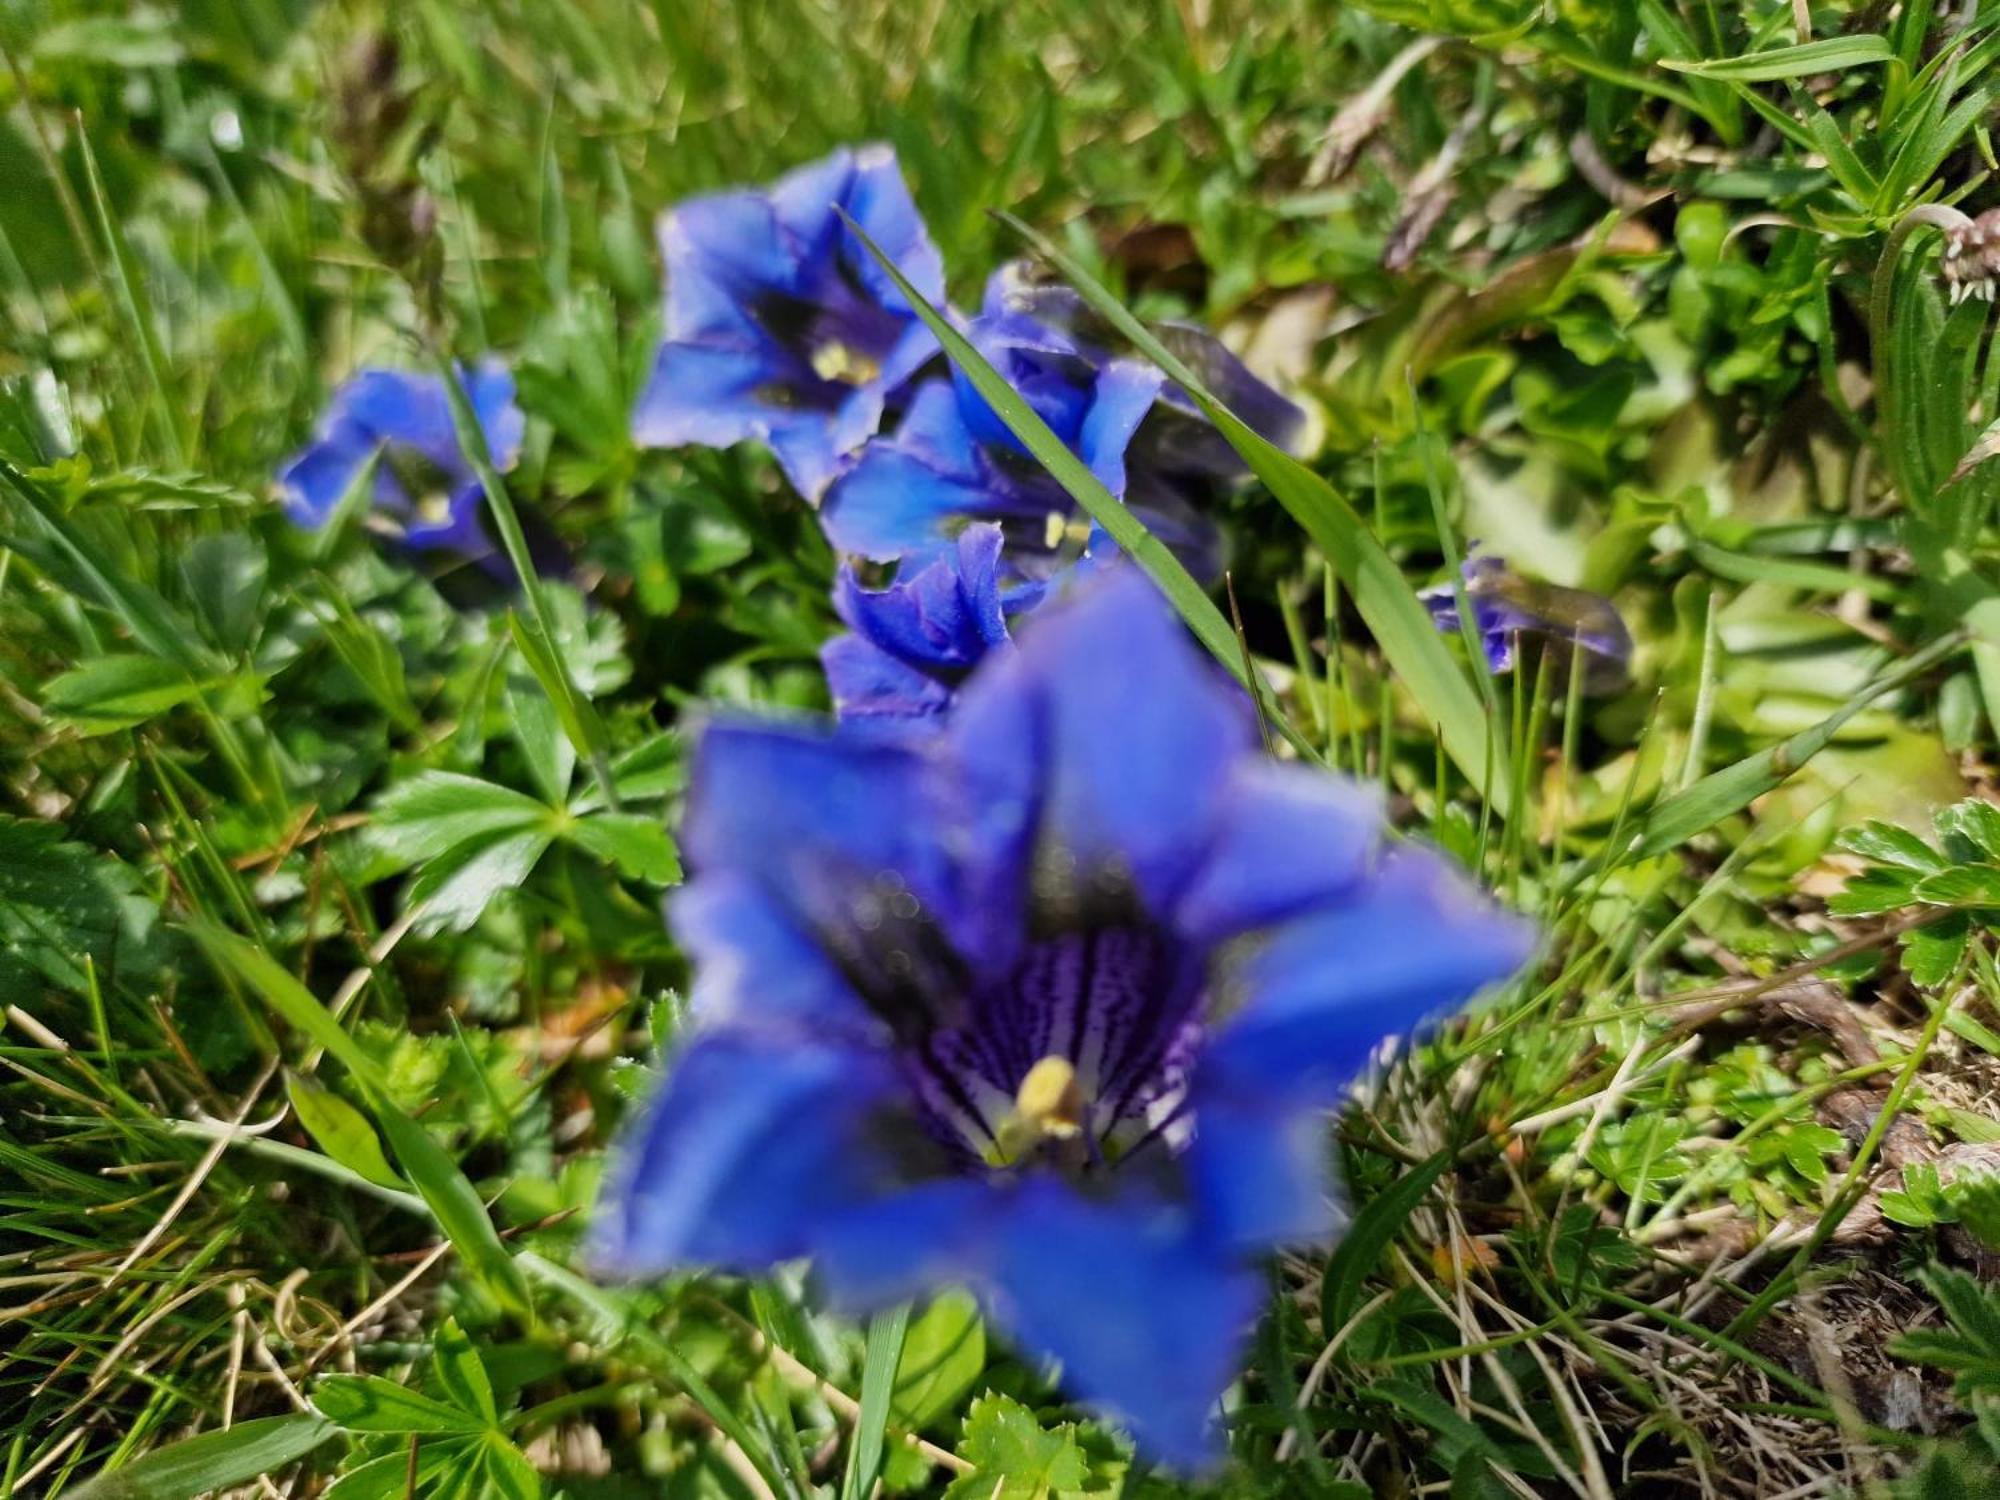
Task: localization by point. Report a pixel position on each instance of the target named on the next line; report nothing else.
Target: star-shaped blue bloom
(1050, 1005)
(913, 643)
(953, 459)
(1507, 608)
(424, 489)
(781, 327)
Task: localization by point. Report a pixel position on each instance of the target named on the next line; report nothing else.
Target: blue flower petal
(459, 530)
(902, 495)
(1260, 1169)
(1289, 838)
(869, 686)
(1328, 988)
(755, 965)
(719, 250)
(312, 485)
(880, 202)
(1127, 721)
(706, 394)
(1124, 394)
(410, 410)
(1148, 1320)
(748, 1149)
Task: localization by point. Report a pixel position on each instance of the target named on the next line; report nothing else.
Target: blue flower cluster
(1032, 974)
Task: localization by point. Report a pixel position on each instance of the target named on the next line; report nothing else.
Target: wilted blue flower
(781, 327)
(1050, 1005)
(913, 643)
(953, 458)
(424, 487)
(1507, 607)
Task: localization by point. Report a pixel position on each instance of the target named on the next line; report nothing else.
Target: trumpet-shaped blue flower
(1507, 608)
(424, 489)
(954, 459)
(781, 327)
(1050, 1005)
(913, 643)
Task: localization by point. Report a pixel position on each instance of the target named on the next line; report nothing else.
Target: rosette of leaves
(1950, 886)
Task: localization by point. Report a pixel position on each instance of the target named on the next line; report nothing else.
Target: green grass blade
(1401, 625)
(878, 1384)
(453, 1201)
(1681, 816)
(214, 1461)
(136, 306)
(1828, 55)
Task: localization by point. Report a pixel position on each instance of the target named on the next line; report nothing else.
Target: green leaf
(1828, 55)
(461, 1373)
(636, 844)
(1890, 845)
(455, 889)
(1961, 885)
(943, 1355)
(1678, 818)
(1977, 822)
(340, 1130)
(1931, 953)
(1401, 625)
(509, 1475)
(368, 1403)
(1367, 1240)
(214, 1461)
(1872, 892)
(387, 1477)
(62, 904)
(118, 692)
(878, 1382)
(1013, 1458)
(435, 811)
(458, 1209)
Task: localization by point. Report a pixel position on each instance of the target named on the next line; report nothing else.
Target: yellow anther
(434, 508)
(834, 360)
(1050, 1099)
(1052, 530)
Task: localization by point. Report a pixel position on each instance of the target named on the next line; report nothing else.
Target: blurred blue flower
(953, 458)
(781, 327)
(911, 644)
(424, 489)
(1050, 1005)
(1507, 608)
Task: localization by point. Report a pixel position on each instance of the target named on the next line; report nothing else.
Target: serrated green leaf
(1961, 885)
(1014, 1457)
(436, 811)
(636, 844)
(369, 1403)
(1891, 845)
(455, 889)
(461, 1373)
(1931, 953)
(117, 692)
(1975, 821)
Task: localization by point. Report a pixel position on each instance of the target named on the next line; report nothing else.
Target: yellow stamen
(1050, 1099)
(834, 360)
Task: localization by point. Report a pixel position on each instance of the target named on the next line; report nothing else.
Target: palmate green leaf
(387, 1477)
(507, 1473)
(1890, 845)
(636, 844)
(340, 1130)
(63, 903)
(1015, 1458)
(120, 691)
(455, 889)
(433, 812)
(369, 1403)
(1401, 625)
(461, 1372)
(214, 1461)
(1828, 55)
(1961, 885)
(452, 1200)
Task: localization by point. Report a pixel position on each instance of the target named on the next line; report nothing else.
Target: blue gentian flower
(911, 644)
(424, 487)
(781, 327)
(1050, 1005)
(1507, 608)
(953, 458)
